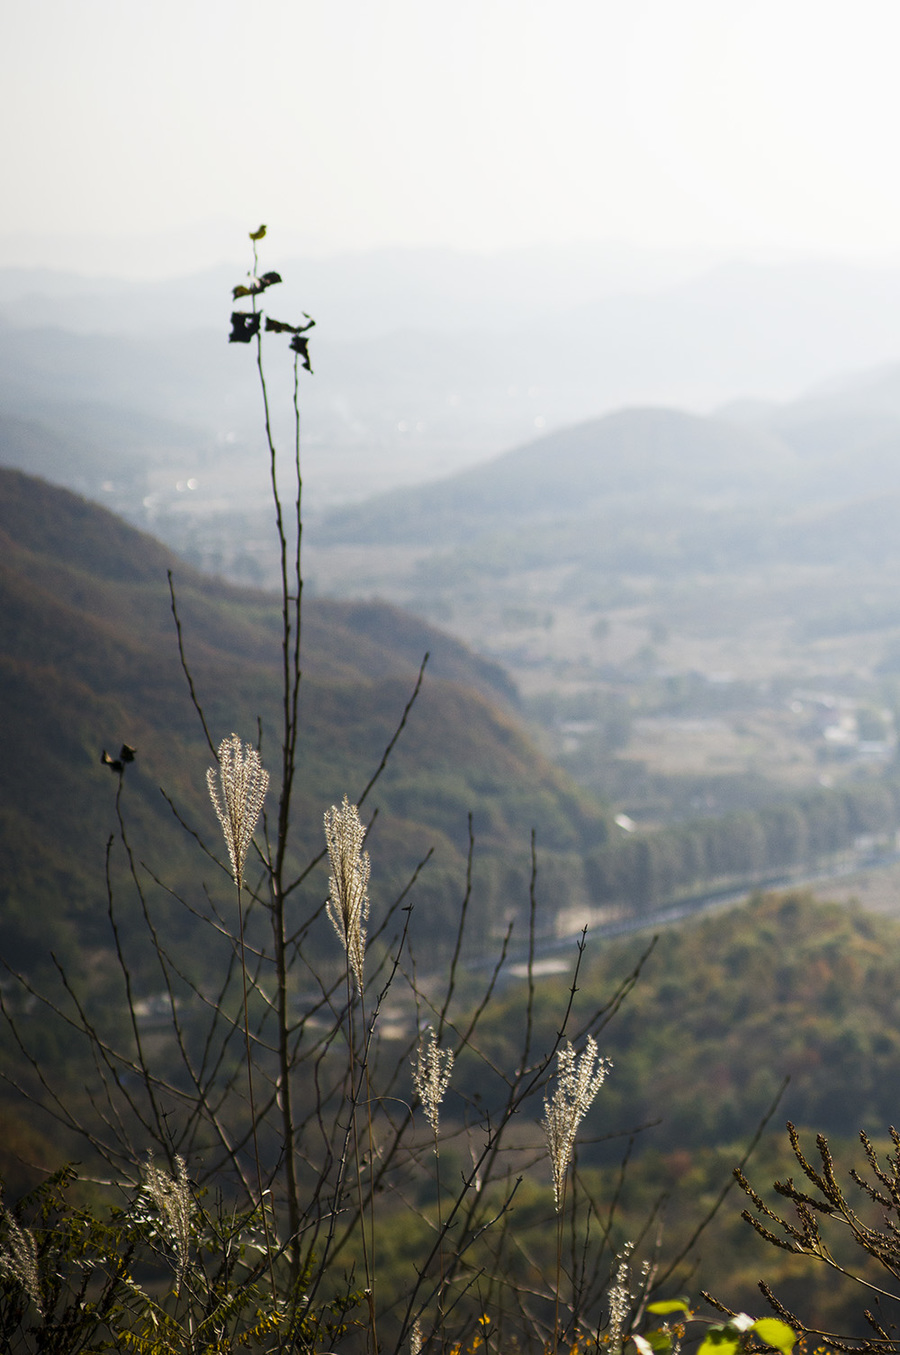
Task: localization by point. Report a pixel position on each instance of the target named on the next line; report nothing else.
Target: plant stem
(261, 1196)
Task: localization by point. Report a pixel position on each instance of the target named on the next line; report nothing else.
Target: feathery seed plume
(348, 902)
(620, 1298)
(19, 1259)
(244, 783)
(577, 1083)
(172, 1197)
(431, 1075)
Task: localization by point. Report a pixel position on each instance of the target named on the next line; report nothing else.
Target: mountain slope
(90, 660)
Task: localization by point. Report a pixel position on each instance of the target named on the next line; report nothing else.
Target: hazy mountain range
(815, 478)
(425, 361)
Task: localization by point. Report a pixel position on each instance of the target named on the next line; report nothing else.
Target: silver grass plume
(620, 1298)
(348, 901)
(577, 1082)
(172, 1197)
(19, 1259)
(244, 783)
(431, 1075)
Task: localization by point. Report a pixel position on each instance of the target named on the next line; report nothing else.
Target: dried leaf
(300, 345)
(255, 286)
(244, 326)
(281, 327)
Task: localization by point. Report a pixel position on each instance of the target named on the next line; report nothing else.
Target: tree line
(810, 830)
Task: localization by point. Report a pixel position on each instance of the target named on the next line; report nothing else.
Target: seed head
(19, 1259)
(431, 1075)
(348, 902)
(172, 1197)
(244, 783)
(577, 1083)
(620, 1298)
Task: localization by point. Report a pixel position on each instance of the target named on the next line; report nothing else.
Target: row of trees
(747, 847)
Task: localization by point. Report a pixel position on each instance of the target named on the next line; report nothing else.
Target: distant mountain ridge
(425, 364)
(634, 453)
(818, 455)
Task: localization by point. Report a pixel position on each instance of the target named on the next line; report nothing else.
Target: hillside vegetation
(725, 1010)
(90, 661)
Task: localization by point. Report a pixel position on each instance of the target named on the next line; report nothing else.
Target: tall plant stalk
(291, 617)
(431, 1077)
(238, 789)
(577, 1083)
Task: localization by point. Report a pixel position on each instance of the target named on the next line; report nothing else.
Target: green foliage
(63, 1274)
(88, 1279)
(726, 1007)
(724, 1338)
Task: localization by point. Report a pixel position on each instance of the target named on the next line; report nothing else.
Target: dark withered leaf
(300, 345)
(280, 327)
(244, 326)
(255, 285)
(127, 753)
(113, 763)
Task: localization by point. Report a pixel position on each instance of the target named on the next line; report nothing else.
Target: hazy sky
(481, 124)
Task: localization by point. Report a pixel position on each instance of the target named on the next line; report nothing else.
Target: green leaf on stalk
(775, 1333)
(667, 1306)
(720, 1341)
(659, 1341)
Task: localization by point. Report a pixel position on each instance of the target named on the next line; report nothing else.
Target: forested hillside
(784, 999)
(90, 661)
